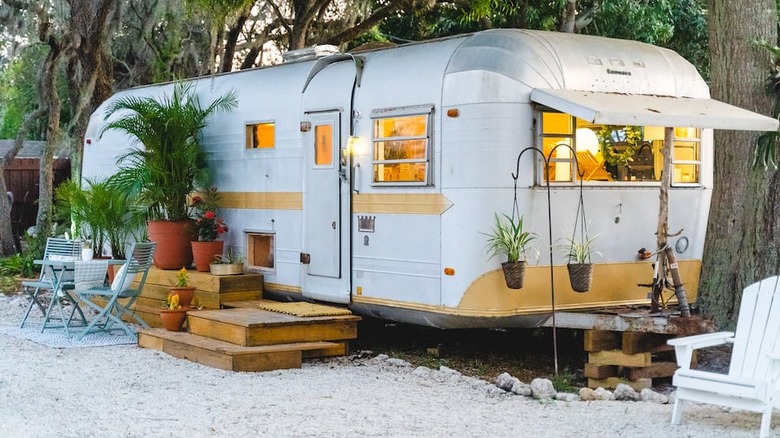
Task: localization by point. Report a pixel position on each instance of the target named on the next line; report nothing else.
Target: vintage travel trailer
(369, 178)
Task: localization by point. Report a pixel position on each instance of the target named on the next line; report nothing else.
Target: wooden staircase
(244, 338)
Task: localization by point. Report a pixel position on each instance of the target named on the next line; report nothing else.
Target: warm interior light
(587, 141)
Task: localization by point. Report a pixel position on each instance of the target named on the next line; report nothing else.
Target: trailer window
(260, 135)
(323, 145)
(612, 153)
(401, 149)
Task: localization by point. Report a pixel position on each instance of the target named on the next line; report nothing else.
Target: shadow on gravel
(523, 353)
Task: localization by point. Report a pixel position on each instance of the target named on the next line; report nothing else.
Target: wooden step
(227, 356)
(252, 327)
(207, 282)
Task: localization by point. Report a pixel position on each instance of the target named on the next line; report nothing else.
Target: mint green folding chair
(56, 247)
(114, 302)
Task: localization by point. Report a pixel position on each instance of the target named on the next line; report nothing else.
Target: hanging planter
(580, 276)
(579, 251)
(509, 239)
(514, 273)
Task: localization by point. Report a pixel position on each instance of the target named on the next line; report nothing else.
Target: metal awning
(648, 110)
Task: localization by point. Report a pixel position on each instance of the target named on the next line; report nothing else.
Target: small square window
(261, 135)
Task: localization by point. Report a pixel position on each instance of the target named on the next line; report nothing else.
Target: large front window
(615, 153)
(401, 148)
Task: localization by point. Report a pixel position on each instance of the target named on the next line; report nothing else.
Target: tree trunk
(43, 221)
(569, 16)
(89, 69)
(743, 234)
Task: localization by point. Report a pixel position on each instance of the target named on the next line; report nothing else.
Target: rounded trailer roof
(556, 60)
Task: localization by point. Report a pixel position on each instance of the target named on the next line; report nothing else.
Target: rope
(579, 218)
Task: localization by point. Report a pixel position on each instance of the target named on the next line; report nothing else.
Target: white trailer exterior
(383, 168)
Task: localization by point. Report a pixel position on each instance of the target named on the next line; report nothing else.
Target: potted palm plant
(101, 211)
(508, 238)
(578, 254)
(169, 165)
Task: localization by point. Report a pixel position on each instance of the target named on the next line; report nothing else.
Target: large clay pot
(173, 320)
(185, 295)
(204, 252)
(173, 243)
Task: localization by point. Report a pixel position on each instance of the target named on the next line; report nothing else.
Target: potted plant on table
(169, 166)
(508, 238)
(182, 290)
(172, 315)
(101, 211)
(210, 227)
(229, 264)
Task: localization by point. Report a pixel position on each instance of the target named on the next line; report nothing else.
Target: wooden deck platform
(251, 327)
(243, 337)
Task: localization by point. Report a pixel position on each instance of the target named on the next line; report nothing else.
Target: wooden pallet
(227, 356)
(632, 358)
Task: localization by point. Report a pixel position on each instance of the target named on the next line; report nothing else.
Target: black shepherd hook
(515, 208)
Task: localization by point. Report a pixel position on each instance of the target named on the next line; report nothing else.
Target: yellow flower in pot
(182, 288)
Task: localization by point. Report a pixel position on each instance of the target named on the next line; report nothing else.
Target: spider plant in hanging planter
(579, 262)
(508, 238)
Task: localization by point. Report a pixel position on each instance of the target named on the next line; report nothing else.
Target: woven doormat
(303, 309)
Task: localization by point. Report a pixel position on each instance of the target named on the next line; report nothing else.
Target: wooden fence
(21, 179)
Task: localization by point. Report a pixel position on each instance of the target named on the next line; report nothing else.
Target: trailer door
(326, 267)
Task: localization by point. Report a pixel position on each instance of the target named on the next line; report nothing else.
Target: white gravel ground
(125, 391)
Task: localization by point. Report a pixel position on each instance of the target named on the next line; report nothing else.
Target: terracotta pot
(173, 243)
(185, 295)
(204, 252)
(111, 270)
(112, 273)
(173, 320)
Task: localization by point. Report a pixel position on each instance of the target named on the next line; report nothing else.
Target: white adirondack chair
(751, 382)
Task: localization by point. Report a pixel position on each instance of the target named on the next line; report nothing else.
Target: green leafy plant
(171, 163)
(18, 265)
(509, 238)
(205, 207)
(228, 259)
(101, 212)
(579, 252)
(610, 135)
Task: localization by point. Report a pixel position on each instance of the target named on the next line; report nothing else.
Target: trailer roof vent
(313, 52)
